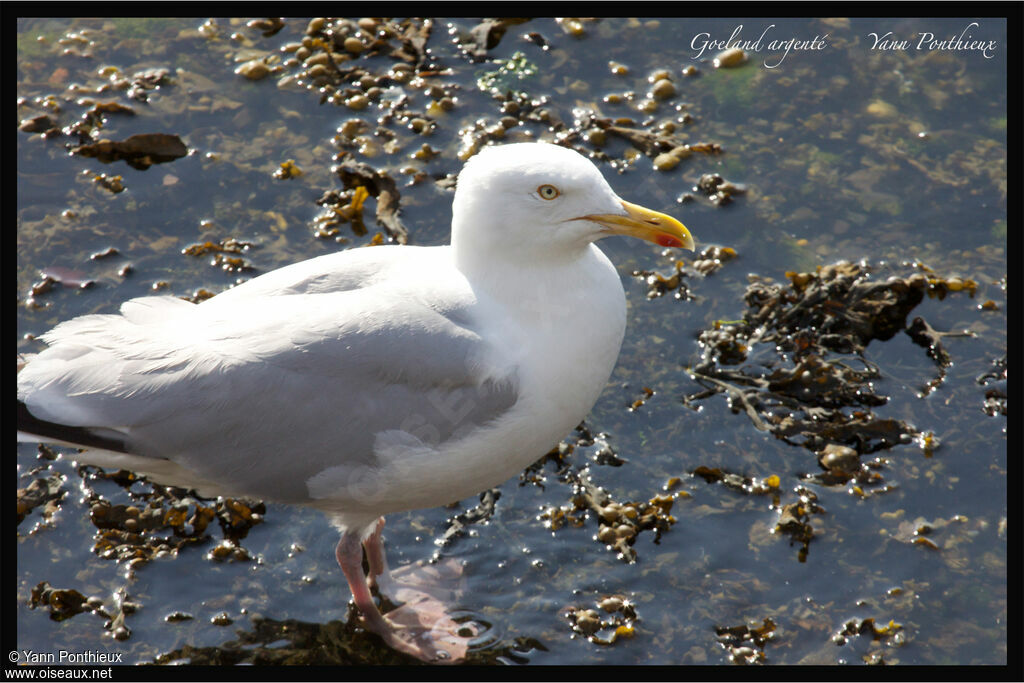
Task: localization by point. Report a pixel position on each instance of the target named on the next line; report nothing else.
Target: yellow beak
(647, 225)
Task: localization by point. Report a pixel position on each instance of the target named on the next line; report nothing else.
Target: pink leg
(350, 558)
(418, 632)
(375, 553)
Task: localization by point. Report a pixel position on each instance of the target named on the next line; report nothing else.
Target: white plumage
(372, 380)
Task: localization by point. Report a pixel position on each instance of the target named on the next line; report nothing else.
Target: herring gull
(372, 380)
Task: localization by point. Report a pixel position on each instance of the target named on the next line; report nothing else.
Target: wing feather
(307, 375)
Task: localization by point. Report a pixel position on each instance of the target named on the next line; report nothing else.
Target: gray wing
(265, 393)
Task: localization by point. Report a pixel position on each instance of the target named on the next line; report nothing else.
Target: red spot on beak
(669, 241)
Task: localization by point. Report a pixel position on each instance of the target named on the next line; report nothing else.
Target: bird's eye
(548, 191)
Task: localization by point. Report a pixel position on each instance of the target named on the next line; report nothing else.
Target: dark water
(891, 156)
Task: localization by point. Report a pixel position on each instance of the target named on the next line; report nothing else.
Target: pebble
(669, 160)
(837, 456)
(253, 70)
(647, 106)
(357, 102)
(596, 136)
(316, 71)
(663, 89)
(315, 26)
(665, 161)
(37, 124)
(221, 619)
(881, 109)
(588, 621)
(725, 59)
(353, 45)
(572, 27)
(318, 58)
(425, 153)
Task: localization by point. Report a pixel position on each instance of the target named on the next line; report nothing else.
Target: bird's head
(539, 200)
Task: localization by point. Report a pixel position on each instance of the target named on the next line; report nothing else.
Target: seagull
(370, 381)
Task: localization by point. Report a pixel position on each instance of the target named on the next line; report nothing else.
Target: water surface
(893, 156)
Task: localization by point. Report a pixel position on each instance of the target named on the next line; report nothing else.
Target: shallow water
(846, 153)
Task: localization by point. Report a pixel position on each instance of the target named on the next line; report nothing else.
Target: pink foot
(425, 590)
(421, 627)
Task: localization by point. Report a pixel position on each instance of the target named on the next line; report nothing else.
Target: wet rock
(834, 456)
(37, 124)
(588, 622)
(221, 619)
(732, 57)
(268, 27)
(717, 189)
(106, 253)
(143, 82)
(663, 89)
(254, 70)
(353, 45)
(138, 151)
(669, 160)
(45, 491)
(63, 603)
(745, 643)
(111, 183)
(486, 36)
(175, 617)
(572, 26)
(881, 109)
(618, 622)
